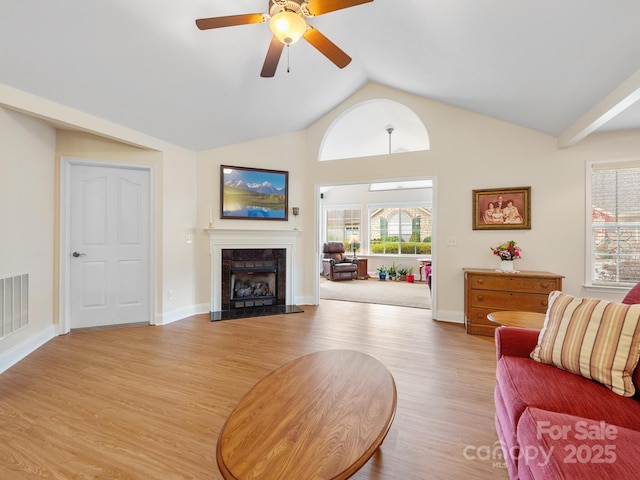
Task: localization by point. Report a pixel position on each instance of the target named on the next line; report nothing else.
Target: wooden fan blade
(327, 47)
(273, 57)
(318, 7)
(229, 21)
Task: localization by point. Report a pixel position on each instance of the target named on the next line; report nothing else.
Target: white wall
(27, 148)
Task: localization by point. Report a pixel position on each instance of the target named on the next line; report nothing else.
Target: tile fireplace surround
(221, 239)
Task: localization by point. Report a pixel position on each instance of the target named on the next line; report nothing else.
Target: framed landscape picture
(253, 193)
(502, 209)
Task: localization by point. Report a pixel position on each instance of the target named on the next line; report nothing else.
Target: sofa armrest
(515, 341)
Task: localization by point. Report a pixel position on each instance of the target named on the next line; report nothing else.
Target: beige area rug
(403, 294)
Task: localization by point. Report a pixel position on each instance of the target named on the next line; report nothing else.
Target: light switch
(188, 238)
(451, 241)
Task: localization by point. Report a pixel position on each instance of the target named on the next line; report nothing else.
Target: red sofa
(554, 424)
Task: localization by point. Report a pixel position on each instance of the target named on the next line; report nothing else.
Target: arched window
(362, 131)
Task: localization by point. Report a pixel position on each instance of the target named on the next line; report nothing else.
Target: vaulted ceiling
(562, 67)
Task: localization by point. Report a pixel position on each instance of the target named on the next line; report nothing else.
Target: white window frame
(589, 257)
(398, 205)
(325, 210)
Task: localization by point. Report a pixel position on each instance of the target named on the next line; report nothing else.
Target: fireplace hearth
(250, 312)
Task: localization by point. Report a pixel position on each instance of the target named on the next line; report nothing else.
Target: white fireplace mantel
(220, 239)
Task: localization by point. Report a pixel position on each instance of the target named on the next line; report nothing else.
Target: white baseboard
(307, 300)
(31, 344)
(203, 308)
(175, 315)
(449, 316)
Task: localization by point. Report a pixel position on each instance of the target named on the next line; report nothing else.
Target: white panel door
(109, 240)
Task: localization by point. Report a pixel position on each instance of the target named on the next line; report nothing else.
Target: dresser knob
(481, 316)
(545, 285)
(480, 298)
(544, 303)
(480, 281)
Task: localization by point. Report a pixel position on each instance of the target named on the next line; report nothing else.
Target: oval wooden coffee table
(321, 416)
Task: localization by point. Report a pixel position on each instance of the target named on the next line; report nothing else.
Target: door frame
(64, 295)
(319, 226)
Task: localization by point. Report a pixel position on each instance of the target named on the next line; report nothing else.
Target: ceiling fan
(287, 20)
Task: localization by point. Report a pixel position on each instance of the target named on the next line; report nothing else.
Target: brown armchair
(335, 266)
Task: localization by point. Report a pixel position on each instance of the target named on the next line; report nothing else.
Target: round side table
(518, 319)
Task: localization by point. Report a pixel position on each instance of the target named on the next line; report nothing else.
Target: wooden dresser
(487, 291)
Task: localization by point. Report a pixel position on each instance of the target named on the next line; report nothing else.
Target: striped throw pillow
(597, 339)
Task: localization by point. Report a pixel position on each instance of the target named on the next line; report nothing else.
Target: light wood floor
(149, 402)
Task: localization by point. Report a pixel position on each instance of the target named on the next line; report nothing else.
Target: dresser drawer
(478, 316)
(480, 329)
(477, 322)
(491, 299)
(514, 283)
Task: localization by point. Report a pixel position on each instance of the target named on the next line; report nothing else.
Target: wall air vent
(14, 304)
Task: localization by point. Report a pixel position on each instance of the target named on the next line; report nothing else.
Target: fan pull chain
(288, 58)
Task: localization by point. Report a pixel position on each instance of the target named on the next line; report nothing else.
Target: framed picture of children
(502, 209)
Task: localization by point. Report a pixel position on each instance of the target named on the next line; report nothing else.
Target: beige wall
(468, 151)
(174, 212)
(27, 224)
(80, 145)
(285, 152)
(30, 149)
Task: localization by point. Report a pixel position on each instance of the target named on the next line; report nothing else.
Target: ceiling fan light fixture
(288, 27)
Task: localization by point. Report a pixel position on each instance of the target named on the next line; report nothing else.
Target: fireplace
(249, 266)
(253, 277)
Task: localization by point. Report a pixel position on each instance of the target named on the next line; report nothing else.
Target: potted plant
(392, 271)
(382, 272)
(410, 276)
(402, 273)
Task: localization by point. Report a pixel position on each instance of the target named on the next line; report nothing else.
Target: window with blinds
(342, 223)
(615, 223)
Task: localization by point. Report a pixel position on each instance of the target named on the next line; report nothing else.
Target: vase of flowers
(506, 266)
(507, 253)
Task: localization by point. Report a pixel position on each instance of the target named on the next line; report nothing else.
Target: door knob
(78, 254)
